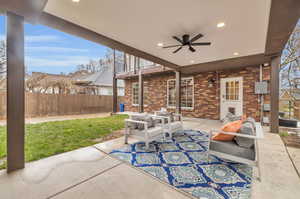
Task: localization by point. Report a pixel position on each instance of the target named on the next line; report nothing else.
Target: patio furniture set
(243, 149)
(147, 128)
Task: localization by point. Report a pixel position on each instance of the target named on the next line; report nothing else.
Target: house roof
(101, 78)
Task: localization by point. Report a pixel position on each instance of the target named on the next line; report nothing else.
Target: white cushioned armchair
(138, 127)
(237, 150)
(173, 122)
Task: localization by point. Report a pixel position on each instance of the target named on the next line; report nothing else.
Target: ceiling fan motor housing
(186, 39)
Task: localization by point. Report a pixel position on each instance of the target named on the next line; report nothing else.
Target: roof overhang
(227, 64)
(77, 30)
(29, 9)
(257, 29)
(278, 19)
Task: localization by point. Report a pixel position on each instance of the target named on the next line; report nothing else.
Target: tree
(102, 63)
(290, 67)
(2, 58)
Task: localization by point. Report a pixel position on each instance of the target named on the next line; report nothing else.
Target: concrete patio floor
(89, 173)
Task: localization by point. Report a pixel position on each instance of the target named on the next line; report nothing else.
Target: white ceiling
(144, 23)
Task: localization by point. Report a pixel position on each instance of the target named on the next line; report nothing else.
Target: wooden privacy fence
(38, 104)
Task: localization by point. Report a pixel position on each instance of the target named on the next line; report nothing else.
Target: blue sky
(52, 51)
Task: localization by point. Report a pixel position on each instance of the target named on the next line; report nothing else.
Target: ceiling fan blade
(192, 49)
(172, 46)
(196, 37)
(178, 49)
(177, 39)
(201, 44)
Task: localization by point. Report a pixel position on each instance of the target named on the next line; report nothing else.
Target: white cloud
(37, 38)
(63, 61)
(41, 38)
(52, 49)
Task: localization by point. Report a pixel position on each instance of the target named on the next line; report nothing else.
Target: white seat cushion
(175, 125)
(152, 132)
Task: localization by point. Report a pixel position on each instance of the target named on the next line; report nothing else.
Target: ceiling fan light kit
(186, 41)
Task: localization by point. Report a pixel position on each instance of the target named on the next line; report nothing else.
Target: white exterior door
(231, 96)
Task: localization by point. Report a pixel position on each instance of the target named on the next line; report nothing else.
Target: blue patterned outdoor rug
(182, 162)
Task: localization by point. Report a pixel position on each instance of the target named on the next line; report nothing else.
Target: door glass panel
(236, 90)
(232, 90)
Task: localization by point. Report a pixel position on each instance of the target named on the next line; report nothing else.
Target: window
(232, 90)
(171, 93)
(187, 92)
(135, 93)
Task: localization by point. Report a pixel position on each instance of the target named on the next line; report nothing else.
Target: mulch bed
(291, 140)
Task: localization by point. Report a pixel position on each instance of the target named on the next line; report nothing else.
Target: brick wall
(206, 100)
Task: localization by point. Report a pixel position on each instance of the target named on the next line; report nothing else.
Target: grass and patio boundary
(49, 138)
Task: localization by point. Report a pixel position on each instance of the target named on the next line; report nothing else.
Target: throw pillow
(166, 114)
(145, 118)
(233, 127)
(246, 129)
(231, 118)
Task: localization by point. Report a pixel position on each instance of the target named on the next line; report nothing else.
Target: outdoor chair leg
(126, 138)
(208, 158)
(147, 146)
(258, 172)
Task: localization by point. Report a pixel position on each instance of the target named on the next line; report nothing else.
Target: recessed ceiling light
(160, 44)
(236, 53)
(192, 61)
(221, 25)
(76, 1)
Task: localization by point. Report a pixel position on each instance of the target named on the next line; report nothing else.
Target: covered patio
(104, 176)
(255, 35)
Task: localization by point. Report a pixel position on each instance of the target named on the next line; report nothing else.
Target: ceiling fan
(186, 41)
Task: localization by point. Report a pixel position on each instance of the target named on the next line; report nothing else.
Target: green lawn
(50, 138)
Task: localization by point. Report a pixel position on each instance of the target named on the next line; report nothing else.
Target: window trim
(193, 100)
(132, 97)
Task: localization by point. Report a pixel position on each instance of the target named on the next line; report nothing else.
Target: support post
(15, 92)
(275, 66)
(114, 85)
(178, 92)
(125, 62)
(141, 92)
(134, 65)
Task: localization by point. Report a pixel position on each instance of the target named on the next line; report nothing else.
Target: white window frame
(132, 97)
(193, 100)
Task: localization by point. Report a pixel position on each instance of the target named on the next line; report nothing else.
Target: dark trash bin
(292, 123)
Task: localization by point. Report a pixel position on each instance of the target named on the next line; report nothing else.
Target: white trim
(193, 100)
(241, 98)
(132, 96)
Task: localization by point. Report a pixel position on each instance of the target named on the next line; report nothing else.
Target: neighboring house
(289, 102)
(209, 95)
(101, 82)
(47, 83)
(3, 82)
(80, 82)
